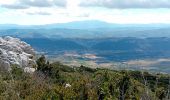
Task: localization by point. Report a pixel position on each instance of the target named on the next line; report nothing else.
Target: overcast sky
(36, 12)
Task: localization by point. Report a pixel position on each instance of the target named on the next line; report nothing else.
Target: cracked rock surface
(13, 51)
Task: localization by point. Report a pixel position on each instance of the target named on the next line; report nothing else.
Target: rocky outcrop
(13, 51)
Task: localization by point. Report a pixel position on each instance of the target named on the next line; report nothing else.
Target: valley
(151, 54)
(99, 44)
(84, 49)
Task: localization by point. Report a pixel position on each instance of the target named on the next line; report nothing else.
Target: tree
(41, 63)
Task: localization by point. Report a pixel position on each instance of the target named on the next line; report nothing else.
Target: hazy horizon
(41, 12)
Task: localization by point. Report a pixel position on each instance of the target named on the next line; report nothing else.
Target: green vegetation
(55, 81)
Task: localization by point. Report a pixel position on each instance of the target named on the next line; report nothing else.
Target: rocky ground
(13, 51)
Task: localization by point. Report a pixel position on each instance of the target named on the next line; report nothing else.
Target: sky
(39, 12)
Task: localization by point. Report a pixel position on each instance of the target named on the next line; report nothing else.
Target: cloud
(14, 6)
(61, 3)
(38, 13)
(23, 4)
(84, 15)
(36, 3)
(124, 4)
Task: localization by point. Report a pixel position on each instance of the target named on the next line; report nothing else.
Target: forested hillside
(55, 81)
(111, 49)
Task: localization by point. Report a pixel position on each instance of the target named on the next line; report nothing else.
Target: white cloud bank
(124, 4)
(60, 11)
(23, 4)
(118, 4)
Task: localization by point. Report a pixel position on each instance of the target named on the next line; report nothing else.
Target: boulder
(13, 51)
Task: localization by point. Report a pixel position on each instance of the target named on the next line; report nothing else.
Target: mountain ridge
(86, 24)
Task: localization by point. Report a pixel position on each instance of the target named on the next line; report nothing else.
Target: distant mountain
(86, 29)
(87, 34)
(15, 26)
(87, 24)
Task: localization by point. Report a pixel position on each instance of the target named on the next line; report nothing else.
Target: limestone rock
(13, 51)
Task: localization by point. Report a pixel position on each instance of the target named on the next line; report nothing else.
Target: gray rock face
(15, 52)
